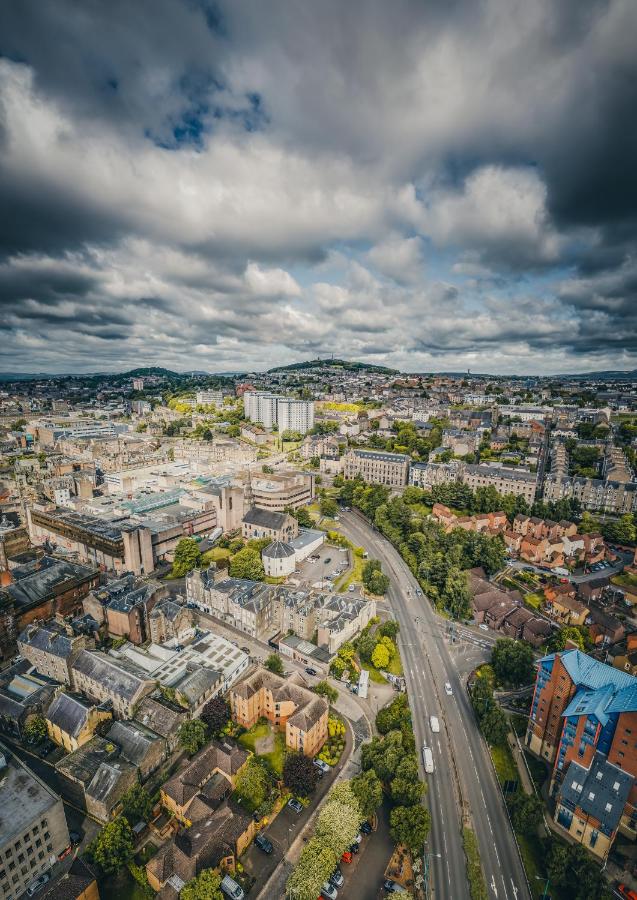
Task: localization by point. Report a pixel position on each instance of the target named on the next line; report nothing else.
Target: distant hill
(334, 364)
(152, 370)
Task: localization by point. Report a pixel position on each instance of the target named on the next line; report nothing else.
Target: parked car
(262, 842)
(392, 887)
(321, 766)
(246, 650)
(354, 848)
(351, 588)
(76, 838)
(327, 560)
(329, 891)
(483, 627)
(295, 805)
(366, 828)
(336, 878)
(310, 670)
(627, 892)
(358, 838)
(346, 857)
(39, 882)
(418, 592)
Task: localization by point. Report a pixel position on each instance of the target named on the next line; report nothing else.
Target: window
(591, 795)
(616, 786)
(49, 847)
(599, 776)
(609, 807)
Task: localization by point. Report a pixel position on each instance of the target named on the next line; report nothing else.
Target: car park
(336, 878)
(321, 766)
(295, 805)
(329, 891)
(263, 843)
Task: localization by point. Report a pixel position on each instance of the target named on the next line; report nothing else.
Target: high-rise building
(287, 413)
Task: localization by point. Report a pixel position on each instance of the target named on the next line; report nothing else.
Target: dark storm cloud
(447, 184)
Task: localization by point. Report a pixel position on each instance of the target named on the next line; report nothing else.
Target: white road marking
(495, 890)
(515, 890)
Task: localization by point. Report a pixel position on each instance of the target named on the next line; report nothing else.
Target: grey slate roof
(133, 739)
(45, 578)
(278, 550)
(48, 638)
(265, 518)
(601, 791)
(69, 713)
(114, 675)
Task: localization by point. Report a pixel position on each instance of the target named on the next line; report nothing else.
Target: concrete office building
(33, 829)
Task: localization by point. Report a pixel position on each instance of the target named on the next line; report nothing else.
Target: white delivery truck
(428, 760)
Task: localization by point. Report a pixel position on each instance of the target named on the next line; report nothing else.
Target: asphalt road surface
(463, 780)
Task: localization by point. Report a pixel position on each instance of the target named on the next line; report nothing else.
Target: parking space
(322, 569)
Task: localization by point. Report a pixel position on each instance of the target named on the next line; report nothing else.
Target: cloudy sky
(434, 184)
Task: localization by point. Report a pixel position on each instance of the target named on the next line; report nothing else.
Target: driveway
(364, 876)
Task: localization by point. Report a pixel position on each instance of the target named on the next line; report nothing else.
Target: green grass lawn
(275, 758)
(395, 666)
(215, 554)
(626, 579)
(352, 575)
(504, 764)
(374, 674)
(534, 600)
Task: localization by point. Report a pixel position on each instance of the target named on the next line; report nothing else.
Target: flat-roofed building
(33, 829)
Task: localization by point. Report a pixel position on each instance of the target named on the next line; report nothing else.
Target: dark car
(246, 650)
(354, 848)
(327, 560)
(310, 670)
(263, 843)
(295, 805)
(76, 838)
(366, 828)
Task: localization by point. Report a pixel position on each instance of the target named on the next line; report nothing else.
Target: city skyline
(214, 187)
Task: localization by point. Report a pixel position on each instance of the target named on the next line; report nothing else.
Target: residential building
(260, 523)
(428, 475)
(287, 413)
(23, 694)
(281, 559)
(52, 648)
(170, 622)
(209, 398)
(33, 829)
(78, 882)
(287, 704)
(215, 759)
(583, 721)
(139, 746)
(377, 467)
(103, 678)
(614, 497)
(504, 480)
(162, 718)
(127, 604)
(243, 604)
(71, 721)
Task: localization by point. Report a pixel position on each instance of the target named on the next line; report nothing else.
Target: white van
(435, 724)
(428, 760)
(231, 889)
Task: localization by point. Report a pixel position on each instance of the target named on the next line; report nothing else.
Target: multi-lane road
(463, 783)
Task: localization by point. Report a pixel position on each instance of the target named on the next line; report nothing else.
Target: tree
(315, 865)
(137, 805)
(380, 656)
(513, 662)
(329, 507)
(192, 736)
(300, 774)
(526, 812)
(384, 754)
(35, 729)
(456, 594)
(366, 644)
(274, 663)
(389, 629)
(494, 726)
(302, 516)
(338, 825)
(559, 639)
(247, 564)
(409, 826)
(393, 716)
(378, 583)
(368, 790)
(325, 689)
(113, 846)
(406, 787)
(187, 557)
(205, 886)
(216, 715)
(251, 785)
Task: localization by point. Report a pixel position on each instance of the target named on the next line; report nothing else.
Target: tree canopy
(205, 886)
(113, 846)
(247, 564)
(192, 736)
(187, 557)
(513, 662)
(300, 774)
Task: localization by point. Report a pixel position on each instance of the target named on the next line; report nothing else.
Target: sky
(230, 186)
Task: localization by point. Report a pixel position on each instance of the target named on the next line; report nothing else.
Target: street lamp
(427, 856)
(545, 892)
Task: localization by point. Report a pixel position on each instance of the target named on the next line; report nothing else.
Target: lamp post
(427, 856)
(545, 892)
